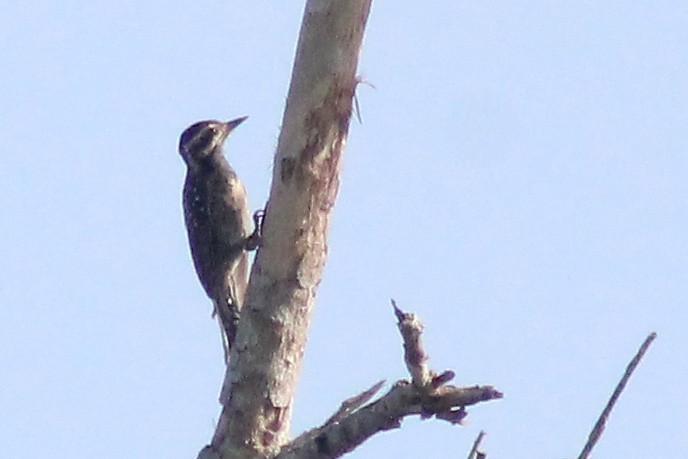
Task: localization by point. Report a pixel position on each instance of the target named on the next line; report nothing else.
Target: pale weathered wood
(266, 357)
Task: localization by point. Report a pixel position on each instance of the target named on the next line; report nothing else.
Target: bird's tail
(228, 319)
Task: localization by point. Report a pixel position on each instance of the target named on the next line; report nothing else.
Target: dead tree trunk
(266, 358)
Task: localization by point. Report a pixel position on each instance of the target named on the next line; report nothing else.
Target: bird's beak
(231, 125)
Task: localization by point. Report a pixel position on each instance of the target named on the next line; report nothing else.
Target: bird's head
(204, 139)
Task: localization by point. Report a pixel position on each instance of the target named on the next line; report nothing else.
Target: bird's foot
(255, 239)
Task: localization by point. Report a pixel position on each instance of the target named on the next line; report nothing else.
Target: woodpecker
(217, 220)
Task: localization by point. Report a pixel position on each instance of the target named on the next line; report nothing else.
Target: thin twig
(353, 403)
(476, 445)
(596, 432)
(415, 357)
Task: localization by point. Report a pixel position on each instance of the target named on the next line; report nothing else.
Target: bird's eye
(199, 140)
(205, 140)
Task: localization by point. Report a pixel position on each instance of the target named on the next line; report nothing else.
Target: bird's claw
(255, 239)
(258, 216)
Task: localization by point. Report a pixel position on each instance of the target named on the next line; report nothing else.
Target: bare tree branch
(596, 432)
(404, 399)
(265, 360)
(430, 398)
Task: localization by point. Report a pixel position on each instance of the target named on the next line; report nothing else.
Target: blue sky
(519, 180)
